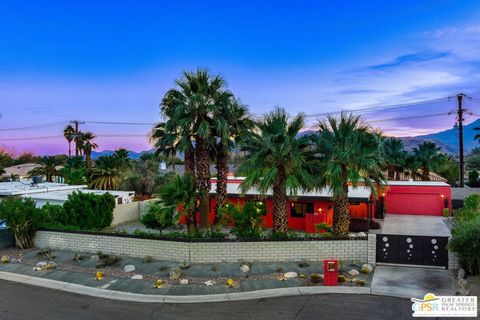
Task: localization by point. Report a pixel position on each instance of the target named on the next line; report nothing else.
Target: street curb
(148, 298)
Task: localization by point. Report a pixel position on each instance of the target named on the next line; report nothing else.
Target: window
(299, 209)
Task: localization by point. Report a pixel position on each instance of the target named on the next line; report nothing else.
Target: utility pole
(76, 123)
(460, 138)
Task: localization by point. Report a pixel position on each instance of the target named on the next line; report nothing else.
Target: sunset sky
(113, 61)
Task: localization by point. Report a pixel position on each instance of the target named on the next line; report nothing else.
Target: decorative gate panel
(415, 250)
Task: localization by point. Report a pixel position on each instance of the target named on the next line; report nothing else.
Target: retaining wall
(361, 250)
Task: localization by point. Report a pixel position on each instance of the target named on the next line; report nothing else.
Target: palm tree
(278, 160)
(74, 171)
(233, 122)
(48, 168)
(106, 174)
(87, 146)
(350, 152)
(167, 139)
(395, 156)
(181, 192)
(190, 109)
(123, 158)
(427, 155)
(69, 134)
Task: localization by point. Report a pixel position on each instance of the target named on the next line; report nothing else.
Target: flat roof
(360, 192)
(62, 195)
(13, 188)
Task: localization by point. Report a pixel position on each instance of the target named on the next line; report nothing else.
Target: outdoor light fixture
(442, 196)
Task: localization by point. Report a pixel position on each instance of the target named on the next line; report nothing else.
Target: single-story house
(307, 209)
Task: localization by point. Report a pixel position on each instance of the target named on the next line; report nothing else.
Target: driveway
(412, 282)
(415, 225)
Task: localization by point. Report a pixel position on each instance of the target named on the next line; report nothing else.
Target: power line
(123, 123)
(121, 135)
(45, 125)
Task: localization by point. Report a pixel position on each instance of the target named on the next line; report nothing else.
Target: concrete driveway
(411, 282)
(415, 225)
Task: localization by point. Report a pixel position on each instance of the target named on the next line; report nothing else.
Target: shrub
(374, 225)
(472, 202)
(89, 211)
(323, 227)
(156, 217)
(23, 218)
(53, 214)
(247, 220)
(466, 243)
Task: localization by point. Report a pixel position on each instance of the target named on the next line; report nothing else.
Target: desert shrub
(23, 218)
(88, 211)
(466, 243)
(470, 210)
(247, 220)
(323, 227)
(472, 202)
(156, 217)
(53, 214)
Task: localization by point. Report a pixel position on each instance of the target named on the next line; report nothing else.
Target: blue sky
(114, 60)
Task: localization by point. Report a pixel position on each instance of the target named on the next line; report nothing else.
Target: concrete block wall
(206, 252)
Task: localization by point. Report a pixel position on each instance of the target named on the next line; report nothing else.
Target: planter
(6, 239)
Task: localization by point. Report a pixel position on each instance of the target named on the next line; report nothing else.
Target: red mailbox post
(330, 272)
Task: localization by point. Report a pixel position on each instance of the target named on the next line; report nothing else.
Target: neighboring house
(459, 195)
(310, 208)
(57, 193)
(19, 171)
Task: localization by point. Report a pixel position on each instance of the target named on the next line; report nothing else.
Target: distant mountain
(448, 139)
(133, 155)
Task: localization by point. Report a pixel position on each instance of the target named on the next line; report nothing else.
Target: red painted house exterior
(308, 209)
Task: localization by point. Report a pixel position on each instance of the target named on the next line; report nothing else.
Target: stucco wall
(197, 252)
(126, 212)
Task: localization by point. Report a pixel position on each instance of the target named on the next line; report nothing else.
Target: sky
(98, 61)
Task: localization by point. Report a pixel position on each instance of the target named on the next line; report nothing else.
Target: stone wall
(198, 252)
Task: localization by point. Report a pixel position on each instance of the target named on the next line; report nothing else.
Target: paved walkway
(415, 225)
(21, 302)
(411, 282)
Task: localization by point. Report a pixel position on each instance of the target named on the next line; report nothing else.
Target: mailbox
(330, 272)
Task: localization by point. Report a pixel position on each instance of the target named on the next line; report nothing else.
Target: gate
(414, 250)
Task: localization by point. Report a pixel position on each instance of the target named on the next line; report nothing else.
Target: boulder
(50, 266)
(209, 283)
(366, 268)
(137, 277)
(5, 259)
(289, 275)
(244, 268)
(129, 268)
(362, 234)
(461, 273)
(175, 274)
(184, 281)
(352, 235)
(353, 272)
(41, 265)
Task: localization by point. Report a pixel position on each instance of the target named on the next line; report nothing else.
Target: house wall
(359, 250)
(425, 200)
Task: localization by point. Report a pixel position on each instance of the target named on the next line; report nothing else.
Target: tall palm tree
(48, 168)
(279, 160)
(181, 192)
(123, 158)
(191, 107)
(106, 173)
(87, 146)
(427, 155)
(168, 139)
(69, 134)
(395, 156)
(350, 152)
(233, 122)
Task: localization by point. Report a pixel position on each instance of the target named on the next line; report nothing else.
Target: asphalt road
(19, 301)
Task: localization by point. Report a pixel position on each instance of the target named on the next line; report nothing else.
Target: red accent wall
(418, 200)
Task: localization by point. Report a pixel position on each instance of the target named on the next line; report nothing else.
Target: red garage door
(410, 203)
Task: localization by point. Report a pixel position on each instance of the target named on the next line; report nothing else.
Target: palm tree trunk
(280, 217)
(341, 212)
(222, 178)
(425, 174)
(190, 162)
(202, 166)
(391, 172)
(88, 160)
(191, 222)
(69, 148)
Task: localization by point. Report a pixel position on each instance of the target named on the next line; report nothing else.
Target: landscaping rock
(95, 258)
(290, 275)
(352, 235)
(244, 268)
(175, 274)
(50, 266)
(5, 259)
(461, 274)
(462, 283)
(137, 277)
(353, 272)
(341, 278)
(129, 268)
(184, 281)
(366, 268)
(362, 234)
(41, 265)
(209, 283)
